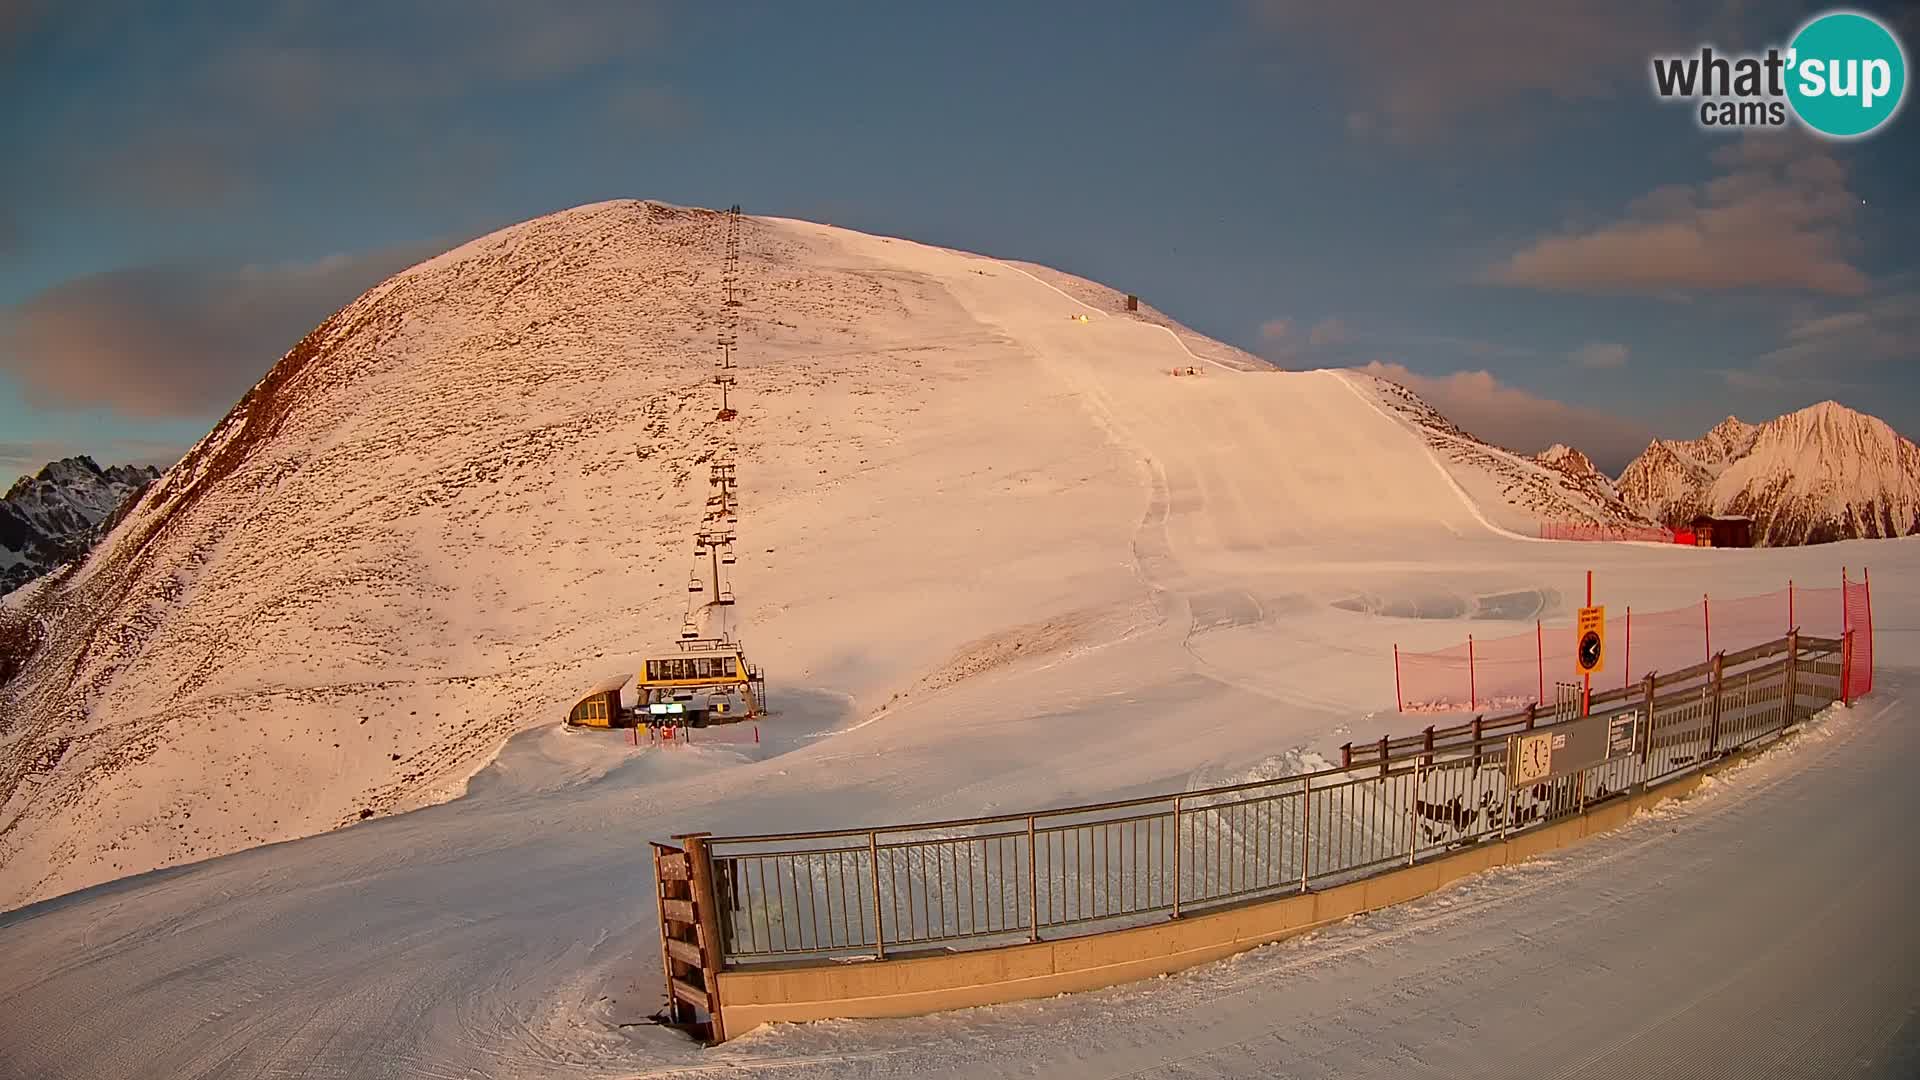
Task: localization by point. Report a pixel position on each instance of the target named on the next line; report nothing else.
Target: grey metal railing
(980, 882)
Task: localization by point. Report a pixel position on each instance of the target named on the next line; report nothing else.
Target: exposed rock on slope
(1559, 485)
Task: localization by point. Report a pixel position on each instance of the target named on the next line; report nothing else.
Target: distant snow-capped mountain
(56, 515)
(1586, 478)
(1823, 473)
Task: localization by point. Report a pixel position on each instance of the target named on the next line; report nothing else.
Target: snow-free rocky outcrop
(55, 515)
(1823, 473)
(468, 494)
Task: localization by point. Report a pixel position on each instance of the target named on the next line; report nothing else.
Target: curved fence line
(1510, 671)
(984, 882)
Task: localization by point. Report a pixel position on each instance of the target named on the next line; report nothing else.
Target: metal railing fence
(981, 882)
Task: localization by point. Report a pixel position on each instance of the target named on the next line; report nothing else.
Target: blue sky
(1482, 198)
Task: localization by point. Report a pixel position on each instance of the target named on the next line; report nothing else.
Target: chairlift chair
(725, 597)
(694, 585)
(726, 557)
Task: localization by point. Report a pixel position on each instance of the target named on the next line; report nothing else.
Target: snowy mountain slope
(1822, 473)
(467, 495)
(1113, 302)
(55, 515)
(1083, 579)
(1518, 492)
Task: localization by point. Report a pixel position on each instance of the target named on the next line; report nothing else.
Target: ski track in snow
(1132, 581)
(1445, 476)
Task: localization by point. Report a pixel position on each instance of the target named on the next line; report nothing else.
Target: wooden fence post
(707, 909)
(1846, 667)
(1788, 714)
(1478, 733)
(1383, 755)
(1033, 876)
(1176, 860)
(1719, 683)
(1428, 748)
(1646, 748)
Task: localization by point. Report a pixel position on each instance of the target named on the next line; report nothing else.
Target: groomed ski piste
(1018, 566)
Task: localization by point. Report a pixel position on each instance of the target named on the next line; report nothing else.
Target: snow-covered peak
(54, 515)
(1726, 441)
(1825, 472)
(1562, 456)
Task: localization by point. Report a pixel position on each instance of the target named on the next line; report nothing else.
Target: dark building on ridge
(1712, 531)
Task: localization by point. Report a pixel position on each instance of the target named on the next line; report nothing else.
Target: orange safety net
(1502, 673)
(1582, 530)
(1857, 678)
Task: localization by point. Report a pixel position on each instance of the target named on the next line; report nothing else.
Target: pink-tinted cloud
(1417, 70)
(1519, 419)
(1327, 332)
(174, 341)
(1780, 217)
(1276, 330)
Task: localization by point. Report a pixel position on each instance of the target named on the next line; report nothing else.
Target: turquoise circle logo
(1847, 74)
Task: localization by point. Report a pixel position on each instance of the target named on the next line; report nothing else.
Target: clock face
(1589, 651)
(1535, 758)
